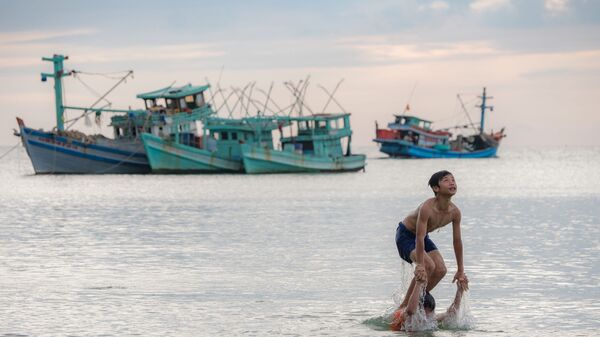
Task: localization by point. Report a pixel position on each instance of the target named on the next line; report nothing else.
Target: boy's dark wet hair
(434, 181)
(429, 301)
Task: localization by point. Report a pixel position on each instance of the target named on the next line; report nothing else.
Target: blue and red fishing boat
(413, 137)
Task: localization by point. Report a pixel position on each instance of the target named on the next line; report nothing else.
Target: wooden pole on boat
(483, 108)
(58, 74)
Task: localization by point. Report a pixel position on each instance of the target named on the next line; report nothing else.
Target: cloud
(30, 36)
(436, 6)
(556, 6)
(479, 6)
(390, 52)
(30, 54)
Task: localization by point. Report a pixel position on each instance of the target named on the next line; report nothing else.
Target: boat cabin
(318, 134)
(169, 111)
(172, 100)
(412, 121)
(226, 136)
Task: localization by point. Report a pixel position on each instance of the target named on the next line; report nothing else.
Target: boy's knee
(440, 270)
(429, 267)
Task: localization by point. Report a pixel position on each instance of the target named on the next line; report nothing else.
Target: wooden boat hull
(171, 157)
(263, 160)
(54, 154)
(403, 149)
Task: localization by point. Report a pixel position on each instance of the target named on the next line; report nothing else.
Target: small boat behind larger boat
(218, 149)
(316, 147)
(413, 137)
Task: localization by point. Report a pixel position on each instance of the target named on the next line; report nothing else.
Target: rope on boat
(9, 151)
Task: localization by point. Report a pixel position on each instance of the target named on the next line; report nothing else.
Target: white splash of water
(462, 319)
(420, 321)
(406, 276)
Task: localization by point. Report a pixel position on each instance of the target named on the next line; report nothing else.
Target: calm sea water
(301, 254)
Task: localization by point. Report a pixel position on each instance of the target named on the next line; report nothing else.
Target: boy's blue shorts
(406, 242)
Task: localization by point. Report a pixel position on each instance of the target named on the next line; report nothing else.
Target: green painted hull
(165, 156)
(261, 160)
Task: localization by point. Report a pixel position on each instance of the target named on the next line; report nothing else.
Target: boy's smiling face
(447, 185)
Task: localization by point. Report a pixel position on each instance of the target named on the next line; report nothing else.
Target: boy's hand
(420, 273)
(462, 280)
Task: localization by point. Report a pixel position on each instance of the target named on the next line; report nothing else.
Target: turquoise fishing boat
(316, 146)
(216, 150)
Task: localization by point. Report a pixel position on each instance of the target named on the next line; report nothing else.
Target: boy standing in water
(414, 244)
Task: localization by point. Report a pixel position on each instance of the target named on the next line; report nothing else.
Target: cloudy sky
(539, 59)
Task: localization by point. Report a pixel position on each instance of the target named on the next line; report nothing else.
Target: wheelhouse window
(190, 102)
(200, 100)
(150, 103)
(224, 135)
(171, 103)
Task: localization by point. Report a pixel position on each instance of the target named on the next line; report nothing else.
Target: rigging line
(106, 75)
(90, 88)
(212, 95)
(240, 98)
(466, 112)
(303, 94)
(250, 99)
(411, 95)
(224, 101)
(11, 149)
(269, 99)
(223, 97)
(102, 98)
(292, 88)
(332, 94)
(334, 100)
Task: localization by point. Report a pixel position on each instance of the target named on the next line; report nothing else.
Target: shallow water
(302, 254)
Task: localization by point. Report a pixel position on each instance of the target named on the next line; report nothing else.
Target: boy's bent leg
(429, 268)
(438, 271)
(428, 261)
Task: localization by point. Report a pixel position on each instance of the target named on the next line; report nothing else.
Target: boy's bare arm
(454, 306)
(415, 296)
(458, 252)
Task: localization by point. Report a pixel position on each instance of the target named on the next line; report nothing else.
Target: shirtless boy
(412, 238)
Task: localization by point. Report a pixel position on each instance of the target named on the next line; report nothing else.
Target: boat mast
(57, 75)
(483, 108)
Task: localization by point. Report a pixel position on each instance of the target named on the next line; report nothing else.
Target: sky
(538, 59)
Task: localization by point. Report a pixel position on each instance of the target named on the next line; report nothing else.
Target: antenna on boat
(58, 74)
(412, 92)
(483, 107)
(331, 95)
